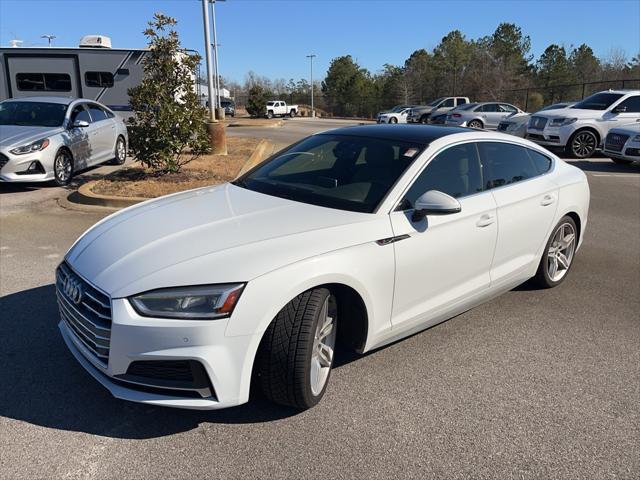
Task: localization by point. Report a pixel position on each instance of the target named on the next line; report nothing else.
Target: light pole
(313, 110)
(49, 38)
(220, 112)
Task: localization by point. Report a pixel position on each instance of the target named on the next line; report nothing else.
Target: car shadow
(44, 385)
(607, 166)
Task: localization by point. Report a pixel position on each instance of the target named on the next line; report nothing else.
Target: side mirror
(619, 109)
(434, 202)
(80, 124)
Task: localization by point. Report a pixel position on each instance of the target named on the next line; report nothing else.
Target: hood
(212, 235)
(628, 129)
(16, 135)
(518, 117)
(571, 113)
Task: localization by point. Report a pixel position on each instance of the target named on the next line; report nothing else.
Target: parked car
(362, 234)
(278, 108)
(394, 117)
(622, 144)
(581, 128)
(482, 115)
(51, 138)
(421, 114)
(516, 123)
(229, 108)
(396, 109)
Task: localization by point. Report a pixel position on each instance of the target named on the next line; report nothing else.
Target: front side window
(630, 105)
(455, 171)
(504, 164)
(336, 171)
(490, 107)
(80, 114)
(43, 82)
(32, 114)
(599, 101)
(98, 79)
(448, 103)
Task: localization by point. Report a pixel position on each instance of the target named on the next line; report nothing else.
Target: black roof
(416, 133)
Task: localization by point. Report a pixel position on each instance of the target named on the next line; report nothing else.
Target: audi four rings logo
(72, 289)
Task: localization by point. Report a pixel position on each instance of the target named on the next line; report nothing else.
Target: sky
(273, 37)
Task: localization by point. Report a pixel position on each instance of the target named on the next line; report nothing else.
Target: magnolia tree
(169, 126)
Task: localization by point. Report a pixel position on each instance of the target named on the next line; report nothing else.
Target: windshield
(336, 171)
(599, 101)
(435, 102)
(32, 114)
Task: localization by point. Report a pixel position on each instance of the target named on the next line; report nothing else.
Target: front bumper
(227, 361)
(551, 136)
(630, 151)
(15, 167)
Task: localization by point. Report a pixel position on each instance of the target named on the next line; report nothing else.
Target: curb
(84, 199)
(277, 124)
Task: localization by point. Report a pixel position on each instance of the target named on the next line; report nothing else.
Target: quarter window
(455, 171)
(504, 164)
(43, 82)
(542, 162)
(98, 79)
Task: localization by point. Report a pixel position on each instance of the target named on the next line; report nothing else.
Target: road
(535, 384)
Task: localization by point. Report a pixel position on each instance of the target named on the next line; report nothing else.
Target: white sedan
(394, 117)
(364, 234)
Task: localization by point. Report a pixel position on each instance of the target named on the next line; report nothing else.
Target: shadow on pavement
(604, 166)
(44, 385)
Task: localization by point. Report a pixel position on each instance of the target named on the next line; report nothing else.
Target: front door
(443, 261)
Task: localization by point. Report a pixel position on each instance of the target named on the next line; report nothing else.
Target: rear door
(103, 135)
(527, 200)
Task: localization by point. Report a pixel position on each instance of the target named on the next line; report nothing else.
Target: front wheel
(296, 353)
(582, 144)
(424, 119)
(558, 254)
(63, 168)
(393, 120)
(269, 114)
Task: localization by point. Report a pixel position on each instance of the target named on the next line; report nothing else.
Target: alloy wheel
(584, 144)
(323, 346)
(560, 252)
(121, 151)
(62, 167)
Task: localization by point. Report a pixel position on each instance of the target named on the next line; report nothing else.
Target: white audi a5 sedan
(362, 235)
(51, 138)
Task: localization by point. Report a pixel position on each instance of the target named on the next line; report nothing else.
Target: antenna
(48, 37)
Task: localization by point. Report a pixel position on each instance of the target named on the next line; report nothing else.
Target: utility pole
(313, 110)
(49, 38)
(219, 110)
(217, 135)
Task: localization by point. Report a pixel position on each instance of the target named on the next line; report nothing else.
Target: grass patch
(137, 181)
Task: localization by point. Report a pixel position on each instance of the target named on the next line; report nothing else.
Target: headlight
(32, 147)
(561, 122)
(190, 303)
(636, 138)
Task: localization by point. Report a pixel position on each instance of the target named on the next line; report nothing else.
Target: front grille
(178, 375)
(615, 141)
(86, 311)
(179, 370)
(3, 161)
(537, 123)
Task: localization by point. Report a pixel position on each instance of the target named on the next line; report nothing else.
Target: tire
(292, 113)
(393, 120)
(63, 167)
(477, 124)
(621, 161)
(552, 273)
(582, 144)
(269, 114)
(291, 370)
(120, 152)
(424, 119)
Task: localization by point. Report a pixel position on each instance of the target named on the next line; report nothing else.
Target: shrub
(169, 126)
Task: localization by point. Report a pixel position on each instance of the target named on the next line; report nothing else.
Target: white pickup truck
(278, 108)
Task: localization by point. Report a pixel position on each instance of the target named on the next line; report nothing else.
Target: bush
(257, 102)
(536, 101)
(169, 126)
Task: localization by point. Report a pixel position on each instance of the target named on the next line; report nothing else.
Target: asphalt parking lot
(535, 384)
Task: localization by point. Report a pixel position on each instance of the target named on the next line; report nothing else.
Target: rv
(93, 70)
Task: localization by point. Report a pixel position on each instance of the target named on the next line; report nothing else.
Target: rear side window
(98, 79)
(462, 101)
(455, 171)
(505, 164)
(97, 114)
(43, 82)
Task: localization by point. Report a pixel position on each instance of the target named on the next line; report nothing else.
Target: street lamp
(212, 4)
(49, 38)
(313, 110)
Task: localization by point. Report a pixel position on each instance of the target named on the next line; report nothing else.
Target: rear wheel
(475, 124)
(292, 113)
(296, 353)
(558, 254)
(120, 152)
(63, 168)
(621, 161)
(582, 144)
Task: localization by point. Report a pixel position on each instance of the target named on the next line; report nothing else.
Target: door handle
(547, 200)
(485, 220)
